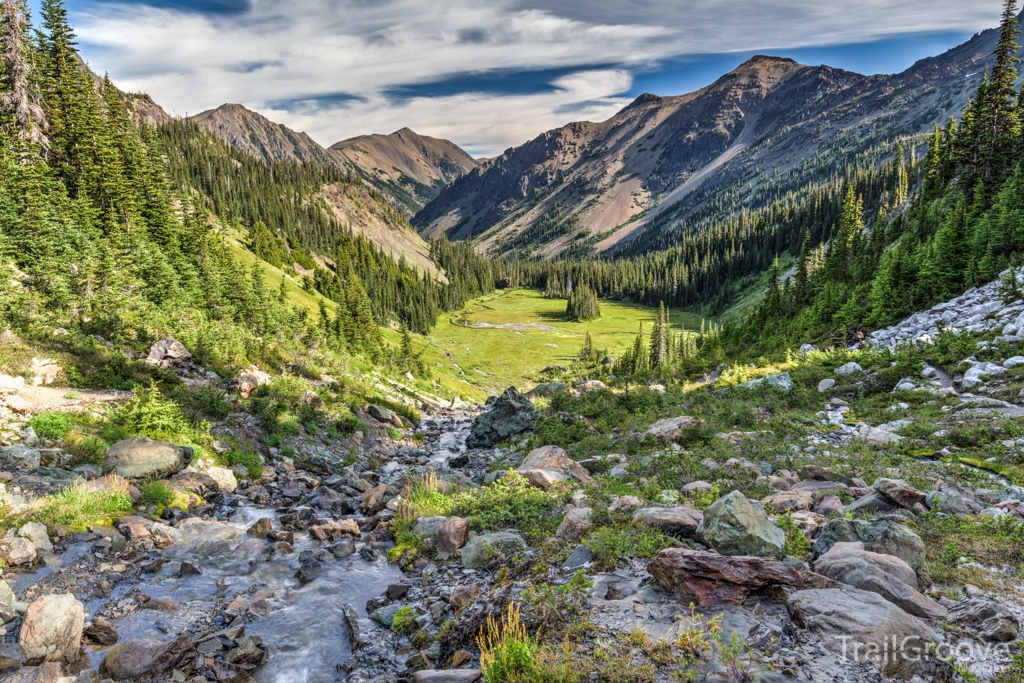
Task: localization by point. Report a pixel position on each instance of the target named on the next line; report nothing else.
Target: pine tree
(659, 339)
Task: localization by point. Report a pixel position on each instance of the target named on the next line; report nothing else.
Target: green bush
(404, 621)
(250, 460)
(78, 508)
(155, 492)
(394, 433)
(512, 502)
(51, 425)
(612, 545)
(350, 424)
(149, 414)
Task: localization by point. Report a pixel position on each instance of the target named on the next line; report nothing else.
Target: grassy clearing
(77, 507)
(535, 335)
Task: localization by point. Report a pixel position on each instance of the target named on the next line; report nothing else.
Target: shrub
(507, 653)
(797, 544)
(250, 460)
(612, 545)
(155, 492)
(52, 425)
(349, 424)
(148, 413)
(404, 621)
(512, 502)
(205, 401)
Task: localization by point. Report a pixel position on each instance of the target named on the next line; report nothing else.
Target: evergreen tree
(659, 339)
(21, 98)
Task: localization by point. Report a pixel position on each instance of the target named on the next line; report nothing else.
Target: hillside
(771, 123)
(407, 168)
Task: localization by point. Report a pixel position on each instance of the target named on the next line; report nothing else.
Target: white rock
(225, 478)
(1013, 362)
(36, 532)
(826, 384)
(848, 369)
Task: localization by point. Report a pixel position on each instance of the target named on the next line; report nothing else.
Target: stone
(224, 478)
(782, 382)
(128, 660)
(260, 528)
(786, 501)
(580, 558)
(873, 503)
(977, 374)
(447, 676)
(733, 525)
(452, 535)
(487, 548)
(848, 369)
(463, 595)
(829, 505)
(949, 502)
(20, 457)
(510, 415)
(884, 537)
(818, 473)
(385, 616)
(36, 532)
(11, 385)
(591, 385)
(552, 459)
(900, 492)
(142, 458)
(20, 551)
(12, 656)
(862, 626)
(874, 436)
(373, 500)
(1013, 362)
(428, 527)
(677, 520)
(170, 354)
(44, 371)
(547, 389)
(986, 618)
(52, 629)
(381, 414)
(575, 524)
(101, 631)
(886, 575)
(707, 578)
(671, 430)
(247, 383)
(334, 531)
(825, 384)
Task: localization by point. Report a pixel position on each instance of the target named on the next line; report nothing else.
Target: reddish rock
(373, 500)
(452, 535)
(707, 578)
(335, 530)
(554, 459)
(463, 595)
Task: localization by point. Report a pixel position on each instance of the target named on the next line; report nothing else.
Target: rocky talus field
(843, 516)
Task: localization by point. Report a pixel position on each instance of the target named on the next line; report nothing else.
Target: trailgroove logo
(913, 649)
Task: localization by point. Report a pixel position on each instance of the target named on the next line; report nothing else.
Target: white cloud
(287, 50)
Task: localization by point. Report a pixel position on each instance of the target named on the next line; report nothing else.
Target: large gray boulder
(140, 458)
(52, 629)
(546, 466)
(885, 537)
(510, 415)
(487, 548)
(986, 619)
(863, 627)
(678, 520)
(735, 526)
(888, 576)
(170, 354)
(20, 457)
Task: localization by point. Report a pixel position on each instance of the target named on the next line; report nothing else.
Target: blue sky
(487, 74)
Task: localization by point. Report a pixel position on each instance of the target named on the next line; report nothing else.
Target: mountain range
(770, 123)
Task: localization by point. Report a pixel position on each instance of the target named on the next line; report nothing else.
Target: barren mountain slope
(409, 169)
(604, 185)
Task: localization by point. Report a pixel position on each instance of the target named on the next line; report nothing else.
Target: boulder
(549, 464)
(44, 371)
(427, 527)
(900, 492)
(575, 524)
(247, 383)
(884, 537)
(825, 384)
(671, 430)
(986, 618)
(52, 629)
(12, 656)
(36, 532)
(888, 576)
(384, 415)
(707, 578)
(141, 458)
(848, 369)
(20, 551)
(169, 354)
(783, 382)
(486, 548)
(373, 500)
(785, 501)
(20, 457)
(874, 436)
(677, 520)
(463, 595)
(128, 660)
(547, 390)
(452, 535)
(591, 385)
(334, 531)
(102, 631)
(735, 526)
(224, 478)
(11, 385)
(949, 502)
(863, 627)
(511, 414)
(818, 473)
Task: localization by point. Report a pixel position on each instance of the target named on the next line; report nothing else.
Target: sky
(486, 74)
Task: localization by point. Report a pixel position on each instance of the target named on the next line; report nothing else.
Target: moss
(404, 621)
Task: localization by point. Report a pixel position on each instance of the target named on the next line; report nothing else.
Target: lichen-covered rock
(488, 548)
(511, 415)
(707, 578)
(52, 629)
(735, 526)
(884, 536)
(141, 458)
